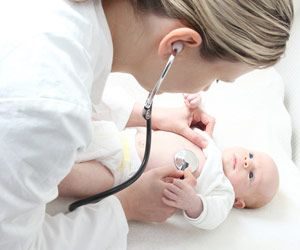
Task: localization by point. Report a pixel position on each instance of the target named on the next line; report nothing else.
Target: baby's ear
(239, 203)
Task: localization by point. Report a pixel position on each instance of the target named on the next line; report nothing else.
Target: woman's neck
(127, 34)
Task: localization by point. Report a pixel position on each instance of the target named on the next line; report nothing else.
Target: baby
(237, 177)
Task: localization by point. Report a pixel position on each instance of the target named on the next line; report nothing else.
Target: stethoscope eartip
(177, 47)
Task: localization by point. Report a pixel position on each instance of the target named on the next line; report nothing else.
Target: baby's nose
(246, 162)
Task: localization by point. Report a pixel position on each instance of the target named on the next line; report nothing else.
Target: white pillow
(288, 67)
(251, 112)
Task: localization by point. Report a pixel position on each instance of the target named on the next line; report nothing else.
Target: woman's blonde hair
(253, 32)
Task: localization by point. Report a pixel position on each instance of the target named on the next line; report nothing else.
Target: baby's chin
(228, 164)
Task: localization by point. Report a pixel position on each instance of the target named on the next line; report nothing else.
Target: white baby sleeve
(216, 207)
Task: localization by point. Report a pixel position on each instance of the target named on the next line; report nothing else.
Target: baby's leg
(86, 179)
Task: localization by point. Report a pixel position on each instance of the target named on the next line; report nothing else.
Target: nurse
(54, 59)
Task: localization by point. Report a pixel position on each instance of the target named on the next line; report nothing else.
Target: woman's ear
(239, 203)
(188, 37)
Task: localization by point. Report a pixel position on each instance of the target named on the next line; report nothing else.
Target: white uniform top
(54, 59)
(214, 189)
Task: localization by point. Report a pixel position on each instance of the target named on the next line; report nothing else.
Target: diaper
(130, 161)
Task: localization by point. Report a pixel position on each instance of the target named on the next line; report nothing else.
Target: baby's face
(253, 175)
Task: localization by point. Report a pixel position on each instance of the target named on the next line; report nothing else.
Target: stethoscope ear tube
(97, 197)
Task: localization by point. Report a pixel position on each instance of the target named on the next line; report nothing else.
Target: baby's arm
(86, 179)
(181, 194)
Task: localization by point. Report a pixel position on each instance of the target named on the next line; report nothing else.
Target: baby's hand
(192, 100)
(181, 194)
(197, 172)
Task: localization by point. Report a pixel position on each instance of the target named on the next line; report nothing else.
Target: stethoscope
(182, 159)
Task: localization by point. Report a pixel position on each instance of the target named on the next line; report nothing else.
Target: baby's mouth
(234, 162)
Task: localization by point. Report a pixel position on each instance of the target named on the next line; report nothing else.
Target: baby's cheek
(238, 185)
(234, 180)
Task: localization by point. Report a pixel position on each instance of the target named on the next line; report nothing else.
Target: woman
(54, 60)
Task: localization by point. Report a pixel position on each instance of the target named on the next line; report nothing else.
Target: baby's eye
(251, 175)
(250, 155)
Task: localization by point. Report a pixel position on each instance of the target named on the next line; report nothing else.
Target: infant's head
(253, 175)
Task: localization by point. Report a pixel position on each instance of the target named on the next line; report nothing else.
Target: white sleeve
(216, 207)
(44, 121)
(93, 227)
(38, 146)
(116, 104)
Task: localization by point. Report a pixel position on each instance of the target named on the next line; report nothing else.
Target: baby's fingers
(192, 100)
(189, 178)
(169, 202)
(173, 188)
(170, 195)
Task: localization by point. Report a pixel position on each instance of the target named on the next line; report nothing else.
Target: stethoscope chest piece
(186, 158)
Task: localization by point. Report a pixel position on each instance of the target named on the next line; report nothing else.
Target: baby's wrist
(197, 208)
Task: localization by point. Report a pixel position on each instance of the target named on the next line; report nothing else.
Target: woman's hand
(177, 120)
(181, 194)
(180, 121)
(142, 201)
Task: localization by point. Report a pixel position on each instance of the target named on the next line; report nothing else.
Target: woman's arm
(86, 179)
(136, 118)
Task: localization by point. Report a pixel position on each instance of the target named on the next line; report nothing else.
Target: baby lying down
(236, 177)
